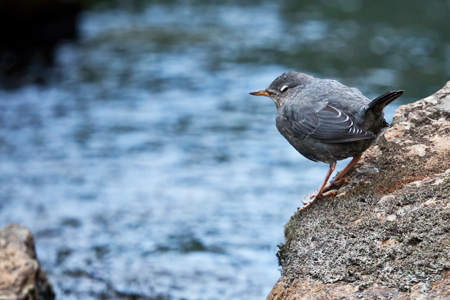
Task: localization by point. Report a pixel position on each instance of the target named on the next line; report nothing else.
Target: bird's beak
(260, 93)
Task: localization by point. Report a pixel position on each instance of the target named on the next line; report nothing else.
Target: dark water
(146, 171)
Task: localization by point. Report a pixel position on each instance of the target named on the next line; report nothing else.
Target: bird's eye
(283, 88)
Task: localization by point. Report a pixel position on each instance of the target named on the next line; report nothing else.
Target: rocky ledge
(21, 277)
(386, 235)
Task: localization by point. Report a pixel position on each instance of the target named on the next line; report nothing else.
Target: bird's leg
(318, 194)
(339, 179)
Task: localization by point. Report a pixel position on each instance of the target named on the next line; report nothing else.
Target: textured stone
(387, 235)
(20, 274)
(313, 290)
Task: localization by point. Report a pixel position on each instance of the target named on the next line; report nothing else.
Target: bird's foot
(334, 183)
(312, 198)
(316, 196)
(340, 181)
(307, 204)
(330, 193)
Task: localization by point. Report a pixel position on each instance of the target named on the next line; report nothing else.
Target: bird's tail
(379, 103)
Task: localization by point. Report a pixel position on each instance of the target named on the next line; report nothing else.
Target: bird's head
(284, 87)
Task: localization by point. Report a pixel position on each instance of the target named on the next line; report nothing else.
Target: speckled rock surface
(20, 274)
(386, 235)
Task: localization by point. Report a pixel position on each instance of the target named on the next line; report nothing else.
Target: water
(146, 171)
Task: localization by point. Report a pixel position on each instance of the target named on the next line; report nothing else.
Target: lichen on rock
(386, 235)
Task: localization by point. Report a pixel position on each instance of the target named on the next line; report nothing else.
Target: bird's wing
(327, 124)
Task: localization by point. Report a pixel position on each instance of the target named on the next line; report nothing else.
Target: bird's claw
(341, 181)
(334, 183)
(316, 196)
(306, 204)
(330, 193)
(312, 198)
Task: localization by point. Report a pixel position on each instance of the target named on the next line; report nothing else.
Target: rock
(388, 234)
(20, 274)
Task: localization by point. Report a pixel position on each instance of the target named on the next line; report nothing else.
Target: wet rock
(20, 274)
(387, 235)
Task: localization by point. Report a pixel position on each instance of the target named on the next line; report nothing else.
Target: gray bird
(326, 121)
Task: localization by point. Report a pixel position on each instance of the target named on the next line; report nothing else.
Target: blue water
(144, 167)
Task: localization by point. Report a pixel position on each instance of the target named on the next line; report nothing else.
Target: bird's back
(310, 100)
(334, 93)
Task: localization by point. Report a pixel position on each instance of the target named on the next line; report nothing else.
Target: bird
(326, 121)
